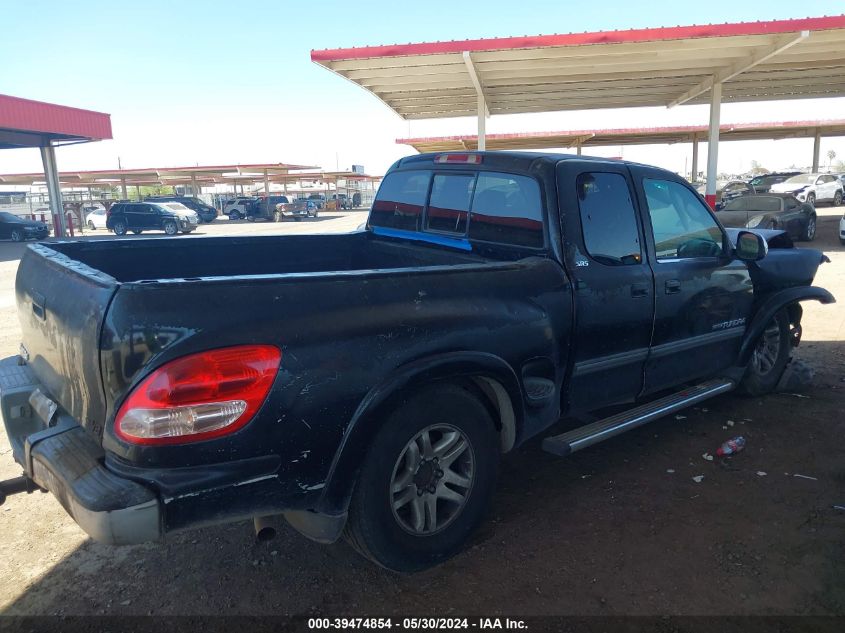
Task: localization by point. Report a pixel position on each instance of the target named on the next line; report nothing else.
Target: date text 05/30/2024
(417, 623)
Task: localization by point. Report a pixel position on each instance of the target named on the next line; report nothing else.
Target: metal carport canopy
(27, 123)
(629, 136)
(668, 66)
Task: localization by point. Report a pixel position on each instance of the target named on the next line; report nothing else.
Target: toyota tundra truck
(366, 384)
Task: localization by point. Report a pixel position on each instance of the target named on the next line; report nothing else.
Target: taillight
(466, 159)
(199, 397)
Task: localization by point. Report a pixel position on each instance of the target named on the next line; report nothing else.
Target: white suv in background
(812, 188)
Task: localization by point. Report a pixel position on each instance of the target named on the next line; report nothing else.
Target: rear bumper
(63, 458)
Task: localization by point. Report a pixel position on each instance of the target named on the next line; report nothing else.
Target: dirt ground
(621, 528)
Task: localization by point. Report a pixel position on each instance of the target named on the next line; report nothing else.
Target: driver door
(703, 295)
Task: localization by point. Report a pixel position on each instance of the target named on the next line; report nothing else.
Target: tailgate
(61, 306)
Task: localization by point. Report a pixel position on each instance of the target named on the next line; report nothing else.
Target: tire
(250, 218)
(766, 365)
(234, 215)
(119, 227)
(91, 226)
(297, 218)
(170, 228)
(808, 234)
(811, 199)
(277, 217)
(315, 214)
(186, 231)
(137, 231)
(390, 521)
(837, 199)
(17, 235)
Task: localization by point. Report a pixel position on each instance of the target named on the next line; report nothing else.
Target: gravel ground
(621, 528)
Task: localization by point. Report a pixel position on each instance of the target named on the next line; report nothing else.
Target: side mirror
(750, 247)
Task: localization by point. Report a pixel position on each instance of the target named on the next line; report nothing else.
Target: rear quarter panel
(340, 335)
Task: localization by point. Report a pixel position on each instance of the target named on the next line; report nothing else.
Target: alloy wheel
(432, 479)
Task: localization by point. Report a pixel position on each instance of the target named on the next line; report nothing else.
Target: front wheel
(234, 215)
(170, 228)
(426, 482)
(811, 199)
(137, 231)
(809, 233)
(837, 199)
(769, 358)
(91, 226)
(17, 235)
(119, 228)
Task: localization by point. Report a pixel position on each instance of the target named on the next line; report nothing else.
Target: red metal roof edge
(580, 39)
(724, 127)
(130, 171)
(27, 115)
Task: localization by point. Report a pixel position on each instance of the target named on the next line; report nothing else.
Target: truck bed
(190, 258)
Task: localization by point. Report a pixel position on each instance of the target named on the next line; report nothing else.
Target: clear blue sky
(190, 82)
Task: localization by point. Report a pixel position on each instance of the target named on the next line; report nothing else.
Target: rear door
(614, 288)
(702, 295)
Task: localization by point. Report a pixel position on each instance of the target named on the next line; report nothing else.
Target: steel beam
(482, 111)
(694, 172)
(757, 57)
(816, 147)
(54, 189)
(713, 144)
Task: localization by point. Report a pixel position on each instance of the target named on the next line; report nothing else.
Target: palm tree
(830, 156)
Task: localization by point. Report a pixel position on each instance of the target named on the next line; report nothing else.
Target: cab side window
(681, 223)
(608, 219)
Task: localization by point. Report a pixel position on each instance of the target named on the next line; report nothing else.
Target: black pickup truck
(366, 384)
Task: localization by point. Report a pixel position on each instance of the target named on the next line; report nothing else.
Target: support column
(694, 172)
(266, 184)
(817, 141)
(51, 173)
(194, 190)
(578, 150)
(482, 124)
(123, 189)
(713, 144)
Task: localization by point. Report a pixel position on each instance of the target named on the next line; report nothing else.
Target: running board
(590, 434)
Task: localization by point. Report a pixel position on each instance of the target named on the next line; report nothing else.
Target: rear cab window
(482, 206)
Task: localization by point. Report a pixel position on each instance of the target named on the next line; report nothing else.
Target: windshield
(802, 179)
(176, 206)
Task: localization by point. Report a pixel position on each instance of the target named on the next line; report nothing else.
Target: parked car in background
(96, 219)
(239, 207)
(19, 229)
(170, 217)
(206, 212)
(264, 208)
(296, 210)
(781, 211)
(812, 188)
(763, 183)
(727, 190)
(319, 199)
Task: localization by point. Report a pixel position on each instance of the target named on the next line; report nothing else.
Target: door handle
(673, 286)
(639, 290)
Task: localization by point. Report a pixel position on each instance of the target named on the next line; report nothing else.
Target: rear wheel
(234, 215)
(769, 358)
(811, 199)
(17, 235)
(837, 198)
(277, 216)
(426, 482)
(119, 227)
(170, 228)
(809, 233)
